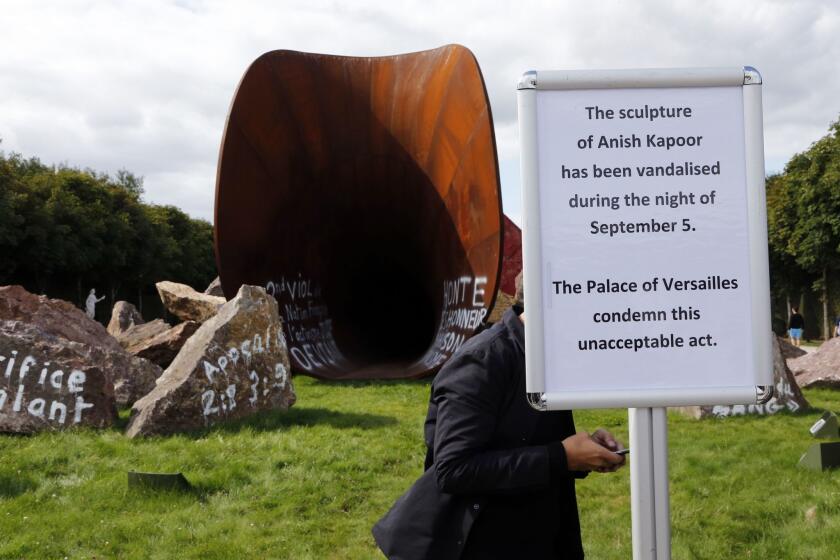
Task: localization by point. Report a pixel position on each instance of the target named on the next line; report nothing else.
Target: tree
(62, 228)
(806, 217)
(11, 221)
(130, 182)
(787, 277)
(25, 225)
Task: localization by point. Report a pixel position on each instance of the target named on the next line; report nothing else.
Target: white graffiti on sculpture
(310, 331)
(463, 311)
(307, 322)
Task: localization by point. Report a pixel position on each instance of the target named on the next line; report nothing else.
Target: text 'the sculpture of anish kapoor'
(363, 193)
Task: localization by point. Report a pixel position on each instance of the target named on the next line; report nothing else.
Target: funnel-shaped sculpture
(363, 193)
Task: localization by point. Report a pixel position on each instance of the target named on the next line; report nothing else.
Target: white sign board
(646, 274)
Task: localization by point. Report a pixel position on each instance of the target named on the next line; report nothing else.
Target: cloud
(146, 85)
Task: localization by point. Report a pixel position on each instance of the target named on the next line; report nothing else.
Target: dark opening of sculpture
(363, 193)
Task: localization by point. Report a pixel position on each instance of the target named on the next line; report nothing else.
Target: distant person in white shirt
(90, 303)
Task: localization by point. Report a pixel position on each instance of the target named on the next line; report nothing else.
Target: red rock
(58, 317)
(820, 368)
(130, 376)
(51, 383)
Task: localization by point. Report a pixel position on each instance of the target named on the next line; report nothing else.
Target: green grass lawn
(309, 483)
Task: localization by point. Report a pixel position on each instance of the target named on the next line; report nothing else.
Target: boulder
(123, 316)
(187, 304)
(138, 334)
(789, 351)
(503, 303)
(162, 348)
(51, 383)
(820, 368)
(787, 395)
(215, 288)
(131, 377)
(235, 364)
(58, 317)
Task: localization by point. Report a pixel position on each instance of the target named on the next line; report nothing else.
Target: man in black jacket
(499, 478)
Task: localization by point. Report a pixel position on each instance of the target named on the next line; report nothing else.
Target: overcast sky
(145, 85)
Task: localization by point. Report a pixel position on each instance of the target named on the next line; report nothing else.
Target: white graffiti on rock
(784, 398)
(242, 364)
(60, 391)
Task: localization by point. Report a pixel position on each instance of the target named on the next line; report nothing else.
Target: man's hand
(603, 437)
(592, 453)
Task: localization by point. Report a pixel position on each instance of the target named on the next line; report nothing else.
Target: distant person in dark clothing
(499, 480)
(795, 327)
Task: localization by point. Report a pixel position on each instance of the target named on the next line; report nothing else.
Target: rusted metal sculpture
(363, 193)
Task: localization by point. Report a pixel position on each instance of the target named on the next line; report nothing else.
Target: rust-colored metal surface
(363, 193)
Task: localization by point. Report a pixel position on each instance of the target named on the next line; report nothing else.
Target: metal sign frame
(759, 286)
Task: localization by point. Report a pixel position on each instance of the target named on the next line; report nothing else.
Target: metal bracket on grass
(826, 427)
(822, 456)
(158, 481)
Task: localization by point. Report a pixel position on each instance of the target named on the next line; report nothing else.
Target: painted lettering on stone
(33, 386)
(243, 365)
(783, 398)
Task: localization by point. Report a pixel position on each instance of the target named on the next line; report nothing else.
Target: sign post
(650, 504)
(645, 254)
